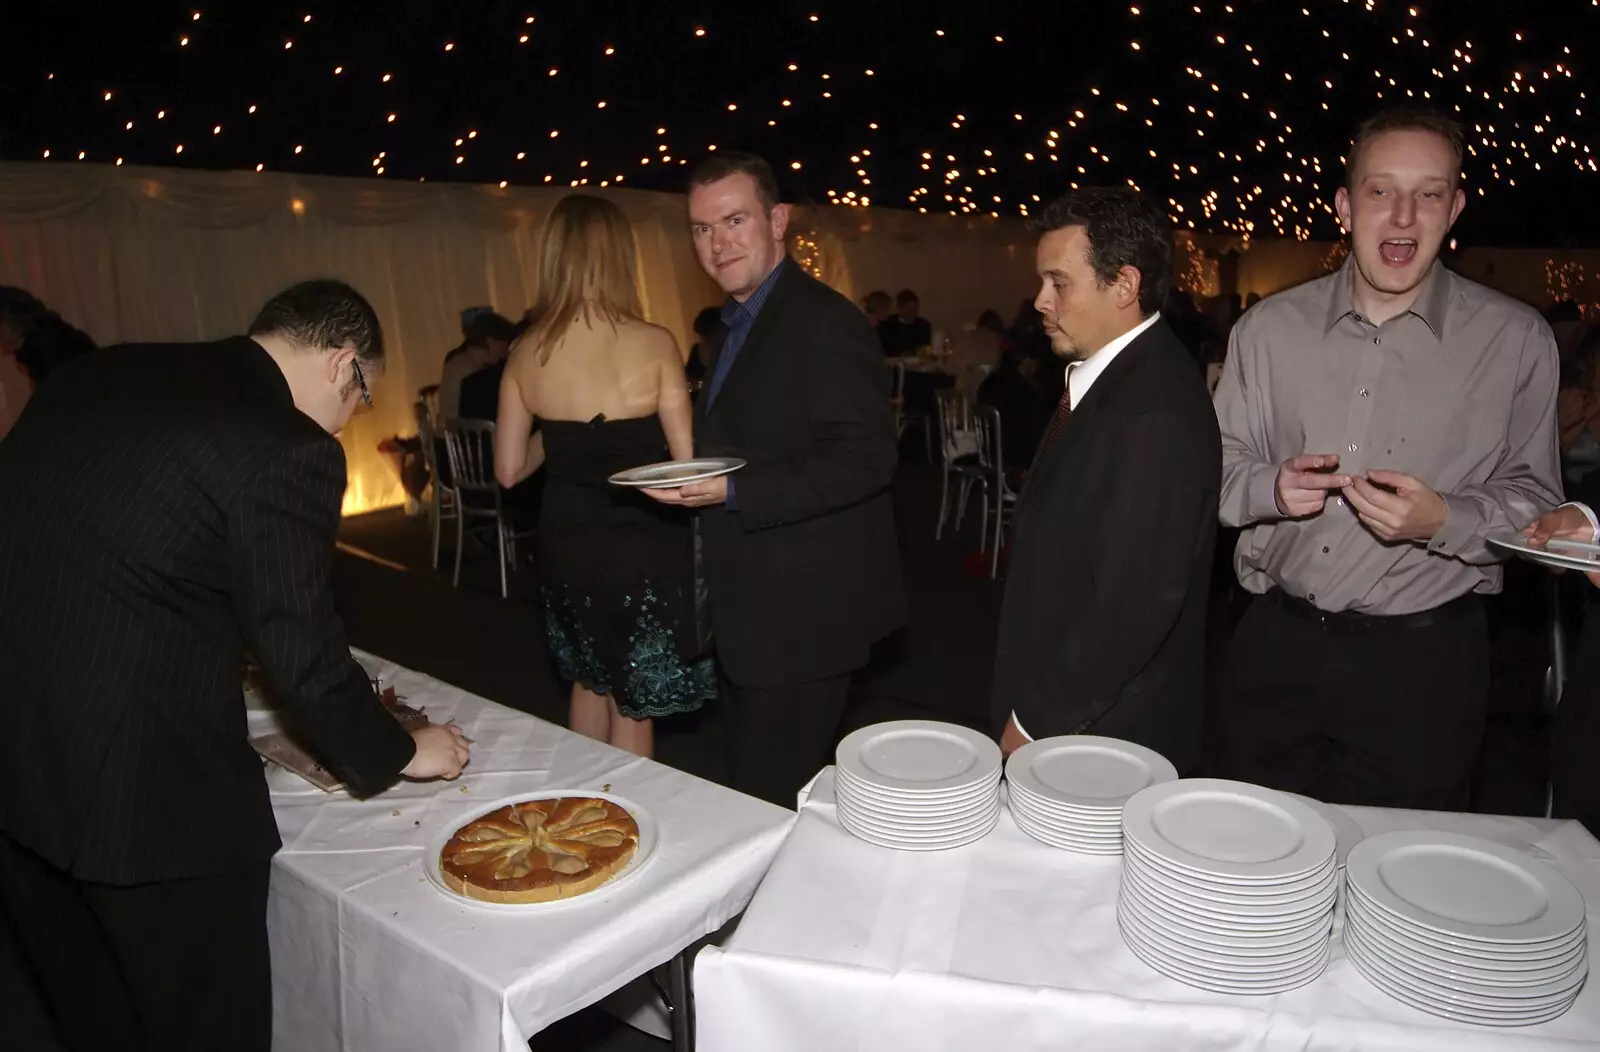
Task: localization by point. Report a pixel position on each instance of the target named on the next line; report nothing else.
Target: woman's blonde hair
(586, 270)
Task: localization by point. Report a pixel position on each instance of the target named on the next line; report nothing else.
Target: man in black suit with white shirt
(166, 509)
(800, 551)
(1102, 630)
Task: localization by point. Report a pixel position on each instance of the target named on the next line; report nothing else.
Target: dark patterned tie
(1057, 422)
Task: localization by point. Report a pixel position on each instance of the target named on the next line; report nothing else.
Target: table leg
(681, 1003)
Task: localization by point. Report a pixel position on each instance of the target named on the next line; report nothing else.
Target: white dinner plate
(1202, 956)
(1087, 770)
(932, 809)
(919, 756)
(671, 474)
(1417, 973)
(1465, 886)
(1188, 880)
(1071, 843)
(1366, 965)
(896, 829)
(1207, 980)
(1174, 872)
(1108, 817)
(1223, 952)
(1229, 829)
(649, 833)
(927, 845)
(1558, 555)
(1184, 923)
(1347, 832)
(1507, 971)
(1511, 952)
(1221, 903)
(1232, 939)
(1108, 830)
(981, 791)
(1503, 1001)
(1204, 908)
(1244, 972)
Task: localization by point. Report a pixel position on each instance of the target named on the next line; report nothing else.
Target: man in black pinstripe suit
(162, 509)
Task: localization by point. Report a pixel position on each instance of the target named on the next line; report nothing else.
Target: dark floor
(395, 605)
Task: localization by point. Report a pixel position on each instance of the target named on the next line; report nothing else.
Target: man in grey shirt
(1377, 425)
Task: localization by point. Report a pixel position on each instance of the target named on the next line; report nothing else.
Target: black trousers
(779, 737)
(1382, 713)
(171, 966)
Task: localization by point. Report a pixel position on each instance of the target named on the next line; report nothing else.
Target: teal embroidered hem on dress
(644, 672)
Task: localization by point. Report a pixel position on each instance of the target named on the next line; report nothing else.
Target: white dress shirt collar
(1082, 375)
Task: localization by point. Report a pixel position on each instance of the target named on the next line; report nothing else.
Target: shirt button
(1324, 549)
(1377, 341)
(1311, 597)
(1354, 447)
(1363, 392)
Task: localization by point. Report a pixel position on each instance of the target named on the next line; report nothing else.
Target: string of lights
(1237, 114)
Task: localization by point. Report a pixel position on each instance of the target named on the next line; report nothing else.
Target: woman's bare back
(594, 369)
(619, 372)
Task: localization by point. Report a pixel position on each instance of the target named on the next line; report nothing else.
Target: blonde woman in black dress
(616, 569)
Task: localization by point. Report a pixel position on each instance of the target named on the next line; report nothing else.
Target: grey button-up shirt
(1459, 391)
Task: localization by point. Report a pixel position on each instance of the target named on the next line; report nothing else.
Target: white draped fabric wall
(144, 254)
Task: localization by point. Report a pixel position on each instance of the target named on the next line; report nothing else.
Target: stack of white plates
(1227, 886)
(1068, 792)
(918, 785)
(1464, 928)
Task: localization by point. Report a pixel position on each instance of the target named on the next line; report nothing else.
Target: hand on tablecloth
(441, 753)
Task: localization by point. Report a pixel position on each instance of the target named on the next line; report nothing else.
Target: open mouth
(1398, 251)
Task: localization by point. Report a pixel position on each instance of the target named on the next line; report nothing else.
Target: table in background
(1009, 944)
(369, 956)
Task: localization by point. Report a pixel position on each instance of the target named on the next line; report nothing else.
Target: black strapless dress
(617, 572)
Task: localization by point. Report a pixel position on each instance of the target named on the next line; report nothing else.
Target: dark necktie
(1057, 422)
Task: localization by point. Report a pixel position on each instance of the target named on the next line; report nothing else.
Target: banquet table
(1010, 944)
(369, 956)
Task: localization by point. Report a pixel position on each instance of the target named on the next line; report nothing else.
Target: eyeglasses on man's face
(361, 381)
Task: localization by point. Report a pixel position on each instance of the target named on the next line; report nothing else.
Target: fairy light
(1520, 99)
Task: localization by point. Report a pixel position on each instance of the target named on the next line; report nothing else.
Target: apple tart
(539, 850)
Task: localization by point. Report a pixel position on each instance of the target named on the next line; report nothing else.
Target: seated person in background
(480, 400)
(1023, 414)
(706, 324)
(904, 332)
(976, 352)
(877, 306)
(489, 339)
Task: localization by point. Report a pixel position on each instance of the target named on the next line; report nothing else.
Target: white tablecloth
(1009, 944)
(368, 956)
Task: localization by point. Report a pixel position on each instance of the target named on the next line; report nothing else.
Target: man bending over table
(166, 507)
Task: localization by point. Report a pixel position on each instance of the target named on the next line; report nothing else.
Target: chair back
(470, 445)
(957, 438)
(986, 422)
(897, 384)
(429, 397)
